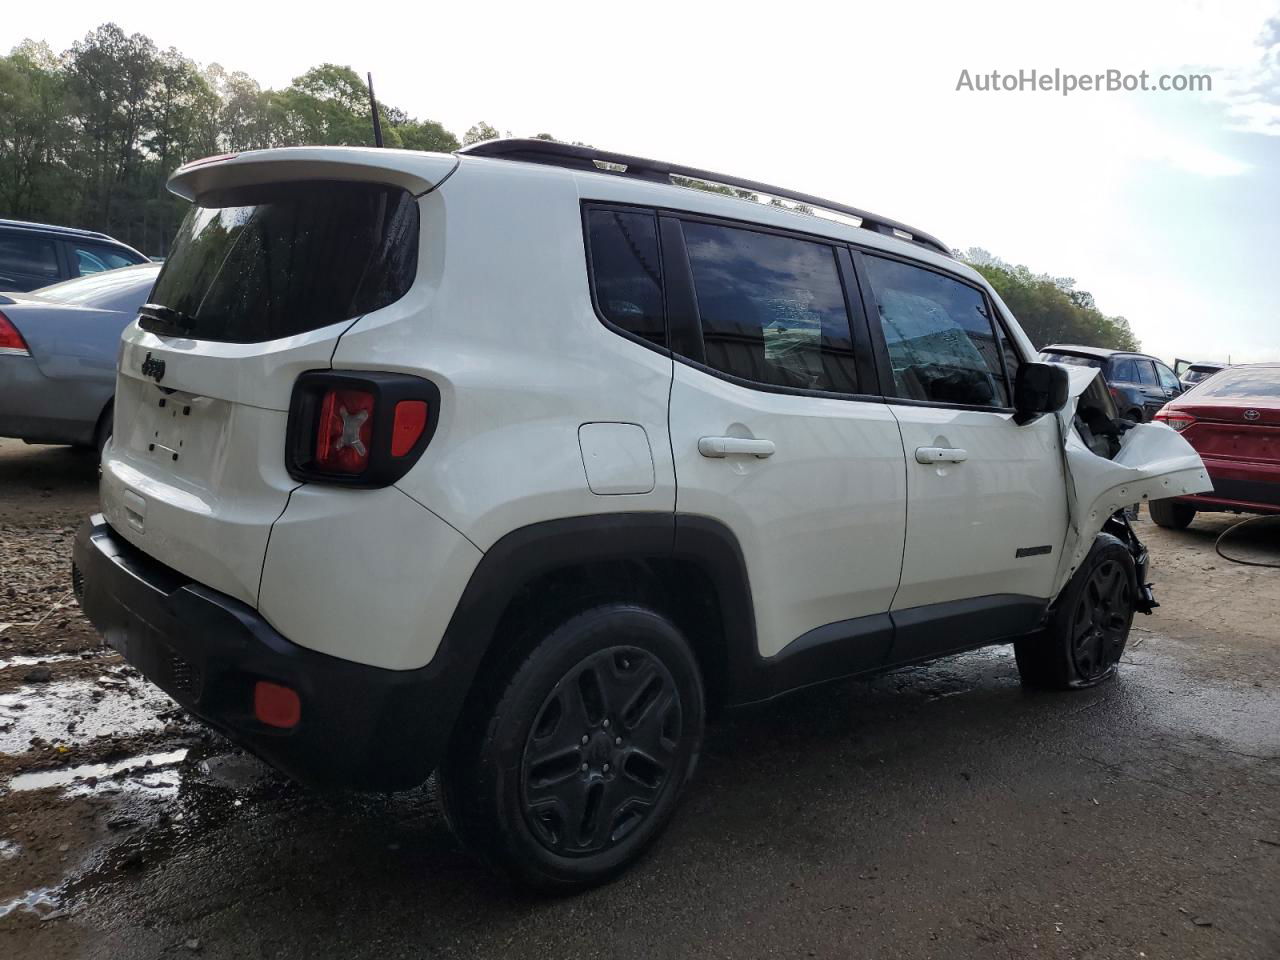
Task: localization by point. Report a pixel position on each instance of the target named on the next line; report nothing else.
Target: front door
(986, 498)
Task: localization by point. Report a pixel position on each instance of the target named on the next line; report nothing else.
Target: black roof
(1102, 353)
(50, 228)
(572, 156)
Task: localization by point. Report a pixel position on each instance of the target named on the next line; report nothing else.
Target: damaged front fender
(1153, 462)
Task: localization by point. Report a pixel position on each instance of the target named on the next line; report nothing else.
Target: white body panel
(545, 413)
(966, 520)
(508, 333)
(367, 575)
(820, 521)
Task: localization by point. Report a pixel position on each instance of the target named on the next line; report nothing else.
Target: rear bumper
(361, 727)
(1247, 487)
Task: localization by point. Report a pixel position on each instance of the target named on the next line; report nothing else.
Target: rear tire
(1089, 625)
(572, 762)
(102, 432)
(1171, 514)
(1135, 415)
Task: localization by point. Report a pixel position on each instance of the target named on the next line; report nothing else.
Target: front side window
(772, 308)
(263, 262)
(626, 271)
(940, 336)
(1168, 379)
(90, 258)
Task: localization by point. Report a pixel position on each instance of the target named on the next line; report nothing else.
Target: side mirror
(1040, 388)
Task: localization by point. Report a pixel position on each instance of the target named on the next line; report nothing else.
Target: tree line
(88, 138)
(1051, 309)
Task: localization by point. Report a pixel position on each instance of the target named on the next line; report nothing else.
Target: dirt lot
(932, 812)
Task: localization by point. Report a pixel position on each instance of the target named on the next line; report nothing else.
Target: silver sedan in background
(58, 349)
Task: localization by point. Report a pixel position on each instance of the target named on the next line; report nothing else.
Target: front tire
(1089, 625)
(574, 761)
(1171, 514)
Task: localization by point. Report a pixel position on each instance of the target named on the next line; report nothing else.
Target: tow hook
(1146, 601)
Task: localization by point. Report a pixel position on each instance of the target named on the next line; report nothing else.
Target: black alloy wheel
(600, 751)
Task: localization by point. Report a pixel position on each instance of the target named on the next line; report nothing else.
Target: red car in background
(1233, 421)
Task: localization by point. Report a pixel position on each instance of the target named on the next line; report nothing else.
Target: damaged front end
(1112, 464)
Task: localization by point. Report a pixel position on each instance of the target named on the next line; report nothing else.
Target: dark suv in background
(1139, 384)
(34, 255)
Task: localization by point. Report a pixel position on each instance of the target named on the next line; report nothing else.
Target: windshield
(265, 262)
(123, 289)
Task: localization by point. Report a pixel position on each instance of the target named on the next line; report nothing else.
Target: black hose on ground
(1217, 545)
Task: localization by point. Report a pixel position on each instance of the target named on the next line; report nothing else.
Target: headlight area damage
(1110, 465)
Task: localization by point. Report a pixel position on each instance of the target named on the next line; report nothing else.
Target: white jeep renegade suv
(517, 463)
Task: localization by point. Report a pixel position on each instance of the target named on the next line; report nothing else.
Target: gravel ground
(933, 812)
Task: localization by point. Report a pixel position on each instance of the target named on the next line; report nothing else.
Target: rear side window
(27, 258)
(940, 336)
(626, 271)
(273, 261)
(1123, 370)
(1147, 373)
(772, 308)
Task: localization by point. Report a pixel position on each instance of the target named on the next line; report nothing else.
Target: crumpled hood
(1154, 462)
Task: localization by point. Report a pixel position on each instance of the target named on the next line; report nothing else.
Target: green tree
(37, 136)
(478, 132)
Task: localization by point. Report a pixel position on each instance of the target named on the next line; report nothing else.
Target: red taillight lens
(344, 431)
(410, 421)
(358, 428)
(276, 705)
(11, 341)
(1174, 418)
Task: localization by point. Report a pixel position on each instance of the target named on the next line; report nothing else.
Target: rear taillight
(359, 428)
(11, 342)
(1176, 419)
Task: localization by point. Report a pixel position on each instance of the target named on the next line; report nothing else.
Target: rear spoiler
(414, 170)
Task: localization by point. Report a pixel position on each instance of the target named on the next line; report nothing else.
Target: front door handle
(718, 447)
(941, 455)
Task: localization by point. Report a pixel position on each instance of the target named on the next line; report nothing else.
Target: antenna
(373, 108)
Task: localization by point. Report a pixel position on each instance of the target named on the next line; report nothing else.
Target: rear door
(986, 498)
(774, 432)
(261, 282)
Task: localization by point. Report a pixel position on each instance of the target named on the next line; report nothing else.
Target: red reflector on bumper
(410, 421)
(276, 706)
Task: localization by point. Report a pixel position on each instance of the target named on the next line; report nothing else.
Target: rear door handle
(717, 447)
(941, 455)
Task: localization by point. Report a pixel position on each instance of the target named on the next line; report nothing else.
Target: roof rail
(54, 228)
(602, 161)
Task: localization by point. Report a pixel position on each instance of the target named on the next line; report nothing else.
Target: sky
(1164, 205)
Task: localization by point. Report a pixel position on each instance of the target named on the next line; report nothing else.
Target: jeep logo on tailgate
(151, 367)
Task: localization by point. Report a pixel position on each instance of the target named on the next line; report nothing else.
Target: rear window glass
(1242, 382)
(1071, 359)
(272, 261)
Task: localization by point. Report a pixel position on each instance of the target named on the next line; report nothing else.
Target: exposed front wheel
(1172, 514)
(576, 760)
(1090, 623)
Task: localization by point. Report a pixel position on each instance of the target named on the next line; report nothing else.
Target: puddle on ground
(7, 662)
(33, 901)
(147, 772)
(76, 711)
